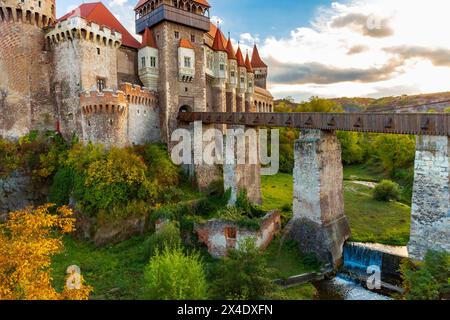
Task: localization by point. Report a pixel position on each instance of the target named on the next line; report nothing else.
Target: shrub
(161, 168)
(119, 213)
(174, 275)
(62, 186)
(9, 158)
(28, 240)
(386, 190)
(429, 280)
(167, 237)
(244, 274)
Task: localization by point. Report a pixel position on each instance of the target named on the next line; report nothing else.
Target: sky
(351, 48)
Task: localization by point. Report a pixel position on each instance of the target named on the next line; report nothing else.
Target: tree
(244, 274)
(394, 152)
(167, 237)
(174, 275)
(27, 243)
(352, 153)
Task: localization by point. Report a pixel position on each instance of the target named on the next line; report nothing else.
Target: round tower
(25, 65)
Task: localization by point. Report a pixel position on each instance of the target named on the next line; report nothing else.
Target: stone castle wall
(25, 65)
(430, 224)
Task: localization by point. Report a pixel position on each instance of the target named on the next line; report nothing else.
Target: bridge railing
(437, 124)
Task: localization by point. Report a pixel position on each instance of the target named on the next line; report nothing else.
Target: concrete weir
(319, 224)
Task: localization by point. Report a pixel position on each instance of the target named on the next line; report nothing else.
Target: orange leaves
(27, 242)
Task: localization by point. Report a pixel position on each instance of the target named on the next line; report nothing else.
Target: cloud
(117, 3)
(216, 20)
(438, 56)
(357, 49)
(317, 73)
(369, 48)
(368, 25)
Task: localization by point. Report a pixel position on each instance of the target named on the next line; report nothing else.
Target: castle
(84, 74)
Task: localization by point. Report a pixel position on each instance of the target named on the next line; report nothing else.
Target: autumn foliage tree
(28, 240)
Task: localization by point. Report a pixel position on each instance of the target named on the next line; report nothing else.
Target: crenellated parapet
(94, 102)
(139, 95)
(40, 13)
(80, 28)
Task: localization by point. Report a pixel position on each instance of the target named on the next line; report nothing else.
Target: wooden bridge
(431, 124)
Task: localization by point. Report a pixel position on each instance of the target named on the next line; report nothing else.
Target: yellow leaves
(27, 242)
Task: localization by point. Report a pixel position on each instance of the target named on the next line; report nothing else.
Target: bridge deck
(402, 123)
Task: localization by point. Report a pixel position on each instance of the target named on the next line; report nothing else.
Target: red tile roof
(248, 64)
(256, 59)
(97, 12)
(218, 44)
(185, 43)
(148, 40)
(230, 50)
(240, 58)
(202, 2)
(212, 32)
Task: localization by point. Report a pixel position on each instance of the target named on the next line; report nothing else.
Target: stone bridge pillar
(430, 216)
(319, 224)
(239, 176)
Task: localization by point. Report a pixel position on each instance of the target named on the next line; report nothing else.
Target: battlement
(108, 101)
(40, 13)
(139, 95)
(80, 28)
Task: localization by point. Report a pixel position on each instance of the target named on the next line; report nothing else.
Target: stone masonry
(430, 222)
(319, 224)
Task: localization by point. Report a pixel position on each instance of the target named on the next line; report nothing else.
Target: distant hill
(415, 103)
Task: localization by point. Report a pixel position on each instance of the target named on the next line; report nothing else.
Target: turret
(186, 61)
(25, 65)
(250, 75)
(260, 69)
(242, 71)
(221, 56)
(232, 64)
(148, 61)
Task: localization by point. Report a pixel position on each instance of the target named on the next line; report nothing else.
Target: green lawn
(370, 220)
(115, 272)
(303, 292)
(361, 173)
(285, 258)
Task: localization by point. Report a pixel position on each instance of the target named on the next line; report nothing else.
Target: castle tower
(232, 77)
(260, 69)
(148, 61)
(220, 73)
(250, 85)
(25, 90)
(242, 82)
(85, 52)
(179, 28)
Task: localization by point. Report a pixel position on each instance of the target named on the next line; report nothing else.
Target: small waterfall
(358, 258)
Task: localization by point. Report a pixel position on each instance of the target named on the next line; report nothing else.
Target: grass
(370, 220)
(115, 272)
(303, 292)
(287, 261)
(376, 221)
(361, 173)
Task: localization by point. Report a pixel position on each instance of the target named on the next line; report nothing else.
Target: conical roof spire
(256, 59)
(240, 58)
(218, 41)
(148, 40)
(230, 50)
(248, 64)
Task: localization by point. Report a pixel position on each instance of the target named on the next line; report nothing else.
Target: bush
(244, 274)
(386, 190)
(429, 280)
(116, 215)
(62, 186)
(160, 167)
(167, 237)
(174, 275)
(9, 158)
